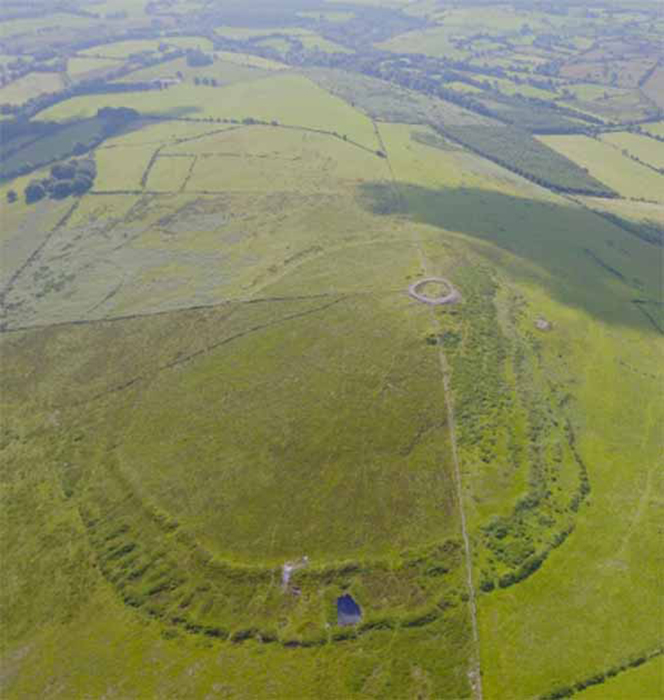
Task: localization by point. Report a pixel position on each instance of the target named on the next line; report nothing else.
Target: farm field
(256, 100)
(30, 86)
(324, 375)
(222, 72)
(642, 147)
(654, 87)
(124, 49)
(432, 42)
(250, 60)
(656, 129)
(81, 67)
(609, 166)
(169, 174)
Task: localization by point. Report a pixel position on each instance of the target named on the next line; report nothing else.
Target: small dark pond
(348, 611)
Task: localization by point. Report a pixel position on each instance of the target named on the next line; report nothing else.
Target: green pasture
(387, 102)
(434, 41)
(421, 157)
(615, 105)
(328, 15)
(244, 59)
(509, 87)
(315, 41)
(211, 366)
(279, 44)
(656, 128)
(29, 86)
(163, 132)
(223, 72)
(642, 147)
(463, 87)
(249, 158)
(121, 168)
(275, 195)
(608, 165)
(654, 87)
(32, 25)
(124, 49)
(252, 33)
(169, 174)
(545, 269)
(290, 99)
(273, 483)
(79, 67)
(134, 8)
(645, 681)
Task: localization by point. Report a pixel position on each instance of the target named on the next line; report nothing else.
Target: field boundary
(34, 255)
(475, 674)
(600, 677)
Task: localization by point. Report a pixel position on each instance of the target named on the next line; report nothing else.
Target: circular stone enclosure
(447, 294)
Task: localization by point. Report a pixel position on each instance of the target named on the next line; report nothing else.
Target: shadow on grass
(579, 257)
(181, 112)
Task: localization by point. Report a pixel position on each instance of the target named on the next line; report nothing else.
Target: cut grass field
(111, 177)
(247, 159)
(245, 59)
(79, 68)
(124, 49)
(435, 41)
(290, 99)
(223, 72)
(644, 148)
(609, 166)
(32, 85)
(169, 174)
(656, 128)
(654, 87)
(646, 681)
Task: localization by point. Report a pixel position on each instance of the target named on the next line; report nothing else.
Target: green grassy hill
(211, 367)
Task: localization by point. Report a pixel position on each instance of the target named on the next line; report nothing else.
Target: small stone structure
(450, 298)
(543, 325)
(288, 568)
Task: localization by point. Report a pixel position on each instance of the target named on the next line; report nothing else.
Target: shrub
(63, 171)
(81, 184)
(62, 189)
(197, 58)
(34, 192)
(11, 196)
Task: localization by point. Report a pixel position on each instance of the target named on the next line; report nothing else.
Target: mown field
(211, 366)
(645, 149)
(30, 86)
(610, 166)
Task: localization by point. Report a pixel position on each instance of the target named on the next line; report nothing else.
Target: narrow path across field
(475, 673)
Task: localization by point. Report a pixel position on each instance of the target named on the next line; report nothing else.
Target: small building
(543, 325)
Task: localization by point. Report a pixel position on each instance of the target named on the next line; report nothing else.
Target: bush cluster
(75, 177)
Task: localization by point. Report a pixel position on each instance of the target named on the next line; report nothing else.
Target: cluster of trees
(31, 144)
(116, 116)
(429, 75)
(516, 150)
(75, 177)
(198, 59)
